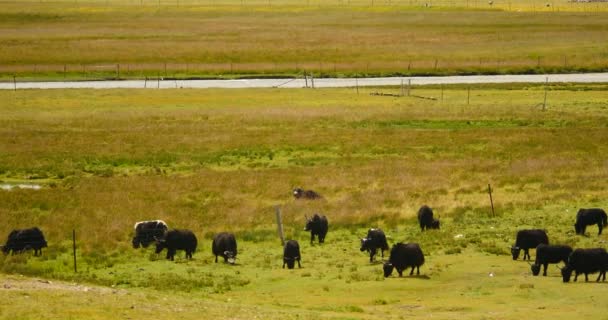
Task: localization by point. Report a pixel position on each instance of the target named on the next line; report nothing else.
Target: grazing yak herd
(401, 256)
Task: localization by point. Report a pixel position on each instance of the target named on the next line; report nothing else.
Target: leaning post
(491, 201)
(280, 224)
(74, 248)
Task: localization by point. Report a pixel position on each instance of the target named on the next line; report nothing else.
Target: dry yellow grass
(89, 39)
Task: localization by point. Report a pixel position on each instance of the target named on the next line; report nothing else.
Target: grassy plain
(117, 39)
(215, 160)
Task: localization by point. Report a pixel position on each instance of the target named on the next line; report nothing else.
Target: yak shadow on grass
(421, 277)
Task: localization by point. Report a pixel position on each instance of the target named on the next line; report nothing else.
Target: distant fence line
(511, 5)
(170, 70)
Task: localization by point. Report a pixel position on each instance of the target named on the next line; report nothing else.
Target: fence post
(545, 99)
(74, 249)
(468, 95)
(409, 86)
(357, 84)
(491, 201)
(15, 82)
(312, 80)
(305, 79)
(280, 224)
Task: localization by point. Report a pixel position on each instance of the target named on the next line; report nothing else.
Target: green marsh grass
(221, 160)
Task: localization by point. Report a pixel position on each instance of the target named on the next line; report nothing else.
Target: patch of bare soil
(22, 283)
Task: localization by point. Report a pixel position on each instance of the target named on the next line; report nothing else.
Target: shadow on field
(421, 277)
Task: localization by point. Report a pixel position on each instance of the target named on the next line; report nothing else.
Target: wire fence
(403, 67)
(510, 5)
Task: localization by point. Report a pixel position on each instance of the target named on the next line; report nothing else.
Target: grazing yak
(224, 244)
(528, 239)
(317, 225)
(147, 231)
(586, 261)
(175, 240)
(586, 217)
(546, 254)
(25, 239)
(375, 240)
(402, 257)
(300, 193)
(291, 254)
(425, 218)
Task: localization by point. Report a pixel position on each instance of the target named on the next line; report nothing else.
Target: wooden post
(15, 82)
(146, 83)
(280, 224)
(545, 99)
(312, 80)
(491, 201)
(74, 249)
(409, 86)
(468, 95)
(305, 79)
(158, 81)
(65, 68)
(357, 84)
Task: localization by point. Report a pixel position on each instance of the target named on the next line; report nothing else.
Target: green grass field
(217, 160)
(116, 39)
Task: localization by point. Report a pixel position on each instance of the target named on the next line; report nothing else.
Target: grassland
(117, 39)
(215, 160)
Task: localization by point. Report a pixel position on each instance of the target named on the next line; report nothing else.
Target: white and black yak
(300, 193)
(147, 231)
(224, 245)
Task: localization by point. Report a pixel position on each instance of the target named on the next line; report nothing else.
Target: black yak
(402, 257)
(147, 231)
(300, 193)
(528, 239)
(546, 254)
(375, 240)
(586, 261)
(175, 240)
(25, 239)
(317, 225)
(425, 218)
(291, 254)
(224, 244)
(586, 217)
